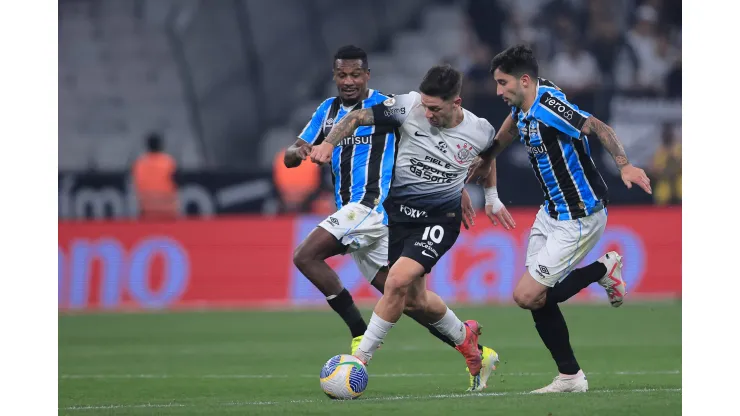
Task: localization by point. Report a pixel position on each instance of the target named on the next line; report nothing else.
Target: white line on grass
(390, 375)
(374, 399)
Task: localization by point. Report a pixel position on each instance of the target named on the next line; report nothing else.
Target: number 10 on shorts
(435, 233)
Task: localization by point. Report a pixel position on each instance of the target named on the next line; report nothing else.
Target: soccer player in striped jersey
(574, 214)
(362, 168)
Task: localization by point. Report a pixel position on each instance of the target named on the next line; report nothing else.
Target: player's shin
(344, 306)
(553, 331)
(387, 312)
(377, 329)
(451, 327)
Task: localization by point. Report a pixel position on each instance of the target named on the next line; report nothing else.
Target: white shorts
(361, 229)
(556, 247)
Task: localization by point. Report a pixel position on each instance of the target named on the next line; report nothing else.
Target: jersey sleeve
(313, 129)
(395, 110)
(554, 110)
(489, 131)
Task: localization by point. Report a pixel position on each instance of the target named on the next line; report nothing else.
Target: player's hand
(322, 153)
(478, 171)
(303, 151)
(634, 175)
(498, 213)
(468, 212)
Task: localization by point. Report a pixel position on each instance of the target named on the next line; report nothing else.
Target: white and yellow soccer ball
(343, 377)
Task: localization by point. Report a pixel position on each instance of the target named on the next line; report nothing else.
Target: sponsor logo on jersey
(413, 212)
(433, 174)
(559, 107)
(426, 245)
(355, 140)
(393, 111)
(536, 150)
(441, 146)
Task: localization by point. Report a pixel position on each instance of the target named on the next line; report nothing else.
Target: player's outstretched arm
(322, 153)
(349, 123)
(481, 168)
(630, 174)
(495, 209)
(504, 137)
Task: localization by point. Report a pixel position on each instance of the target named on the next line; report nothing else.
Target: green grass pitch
(257, 362)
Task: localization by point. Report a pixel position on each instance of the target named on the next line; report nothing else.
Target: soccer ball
(343, 377)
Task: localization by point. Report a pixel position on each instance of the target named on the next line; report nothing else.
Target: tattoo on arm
(608, 138)
(349, 123)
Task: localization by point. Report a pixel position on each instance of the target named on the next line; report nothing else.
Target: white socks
(452, 327)
(376, 331)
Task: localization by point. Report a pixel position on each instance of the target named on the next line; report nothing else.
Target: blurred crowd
(592, 49)
(589, 48)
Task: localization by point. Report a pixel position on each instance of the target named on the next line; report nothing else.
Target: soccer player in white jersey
(439, 140)
(362, 168)
(573, 217)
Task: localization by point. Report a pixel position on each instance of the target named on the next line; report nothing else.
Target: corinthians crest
(464, 153)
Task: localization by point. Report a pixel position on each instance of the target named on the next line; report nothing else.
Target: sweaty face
(509, 88)
(439, 112)
(351, 79)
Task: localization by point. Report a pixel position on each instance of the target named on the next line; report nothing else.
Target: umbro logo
(544, 270)
(418, 134)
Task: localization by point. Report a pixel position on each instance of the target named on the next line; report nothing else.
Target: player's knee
(301, 257)
(525, 300)
(396, 285)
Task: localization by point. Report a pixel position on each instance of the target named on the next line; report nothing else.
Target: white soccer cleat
(576, 384)
(612, 281)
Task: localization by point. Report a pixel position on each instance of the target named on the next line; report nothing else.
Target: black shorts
(425, 243)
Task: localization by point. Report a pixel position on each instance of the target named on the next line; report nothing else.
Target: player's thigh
(537, 237)
(567, 245)
(427, 243)
(319, 244)
(354, 225)
(373, 259)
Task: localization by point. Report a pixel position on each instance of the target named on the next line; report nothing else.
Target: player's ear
(457, 100)
(526, 80)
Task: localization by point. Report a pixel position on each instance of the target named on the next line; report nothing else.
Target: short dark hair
(516, 60)
(350, 52)
(442, 81)
(154, 142)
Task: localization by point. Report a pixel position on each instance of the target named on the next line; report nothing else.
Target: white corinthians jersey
(431, 163)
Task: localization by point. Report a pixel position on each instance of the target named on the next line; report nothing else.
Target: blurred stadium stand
(230, 83)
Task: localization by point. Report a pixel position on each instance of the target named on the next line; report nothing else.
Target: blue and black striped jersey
(560, 154)
(362, 164)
